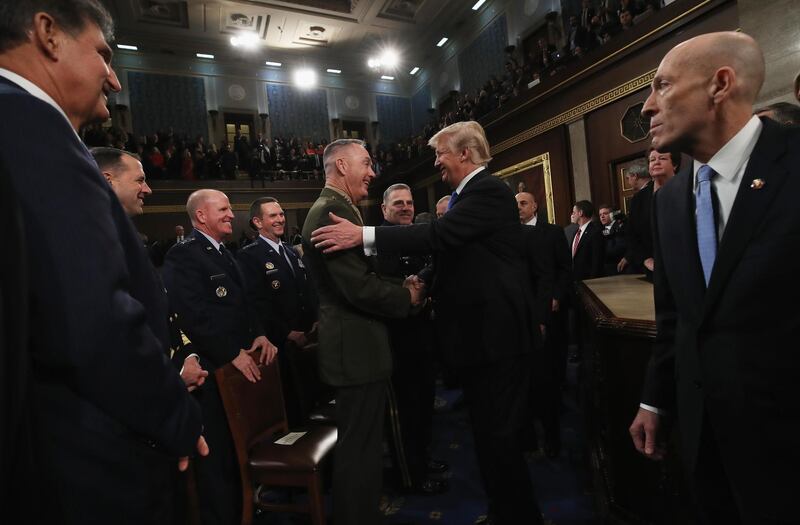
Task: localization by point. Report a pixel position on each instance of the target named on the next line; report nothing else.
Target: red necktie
(575, 242)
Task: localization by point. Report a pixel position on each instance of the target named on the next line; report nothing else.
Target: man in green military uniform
(354, 353)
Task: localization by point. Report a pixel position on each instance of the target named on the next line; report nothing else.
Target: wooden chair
(257, 417)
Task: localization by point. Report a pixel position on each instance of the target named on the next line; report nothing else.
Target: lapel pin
(269, 266)
(221, 292)
(757, 184)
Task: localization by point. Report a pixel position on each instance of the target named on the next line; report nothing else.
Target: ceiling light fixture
(245, 40)
(442, 42)
(128, 47)
(305, 78)
(204, 55)
(389, 58)
(478, 5)
(273, 64)
(336, 71)
(387, 77)
(414, 71)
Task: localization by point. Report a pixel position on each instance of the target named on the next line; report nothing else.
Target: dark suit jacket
(206, 291)
(587, 263)
(284, 301)
(541, 271)
(353, 302)
(729, 353)
(562, 261)
(103, 389)
(481, 291)
(640, 230)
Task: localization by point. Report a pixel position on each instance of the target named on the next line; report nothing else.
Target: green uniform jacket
(353, 301)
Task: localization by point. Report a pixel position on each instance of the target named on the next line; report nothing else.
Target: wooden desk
(619, 330)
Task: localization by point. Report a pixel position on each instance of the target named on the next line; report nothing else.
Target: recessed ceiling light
(205, 55)
(245, 40)
(273, 64)
(389, 58)
(128, 47)
(386, 77)
(337, 71)
(305, 78)
(442, 42)
(414, 71)
(478, 5)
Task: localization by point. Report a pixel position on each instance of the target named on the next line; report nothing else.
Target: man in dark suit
(543, 243)
(614, 239)
(483, 325)
(279, 289)
(354, 352)
(639, 253)
(725, 362)
(413, 380)
(587, 244)
(206, 293)
(110, 416)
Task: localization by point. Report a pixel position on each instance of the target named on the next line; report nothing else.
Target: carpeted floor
(562, 484)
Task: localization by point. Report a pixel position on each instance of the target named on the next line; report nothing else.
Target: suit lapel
(749, 207)
(678, 225)
(215, 257)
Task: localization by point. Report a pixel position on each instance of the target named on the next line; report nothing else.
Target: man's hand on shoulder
(341, 235)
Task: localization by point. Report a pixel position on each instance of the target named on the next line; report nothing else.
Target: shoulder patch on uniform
(250, 246)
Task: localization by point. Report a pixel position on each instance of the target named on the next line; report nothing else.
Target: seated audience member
(614, 239)
(781, 112)
(625, 20)
(278, 287)
(639, 239)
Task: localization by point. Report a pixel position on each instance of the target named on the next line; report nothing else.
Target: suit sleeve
(598, 253)
(659, 383)
(475, 217)
(541, 267)
(359, 285)
(563, 264)
(102, 346)
(182, 273)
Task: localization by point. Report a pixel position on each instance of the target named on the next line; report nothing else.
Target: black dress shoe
(430, 487)
(437, 466)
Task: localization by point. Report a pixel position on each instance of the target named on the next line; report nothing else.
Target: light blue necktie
(452, 201)
(706, 225)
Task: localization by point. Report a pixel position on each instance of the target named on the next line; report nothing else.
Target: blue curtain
(299, 113)
(159, 102)
(394, 117)
(420, 103)
(484, 57)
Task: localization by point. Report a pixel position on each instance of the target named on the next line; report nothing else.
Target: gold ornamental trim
(542, 160)
(590, 105)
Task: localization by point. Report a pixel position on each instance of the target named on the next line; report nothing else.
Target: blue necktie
(706, 225)
(452, 201)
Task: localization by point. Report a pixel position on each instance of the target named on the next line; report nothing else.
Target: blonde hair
(465, 135)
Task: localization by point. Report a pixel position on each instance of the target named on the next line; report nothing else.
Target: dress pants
(496, 395)
(358, 461)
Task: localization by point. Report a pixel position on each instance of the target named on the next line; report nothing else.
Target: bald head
(703, 93)
(708, 53)
(527, 206)
(198, 199)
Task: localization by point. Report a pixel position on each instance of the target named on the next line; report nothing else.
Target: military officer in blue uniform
(278, 286)
(205, 289)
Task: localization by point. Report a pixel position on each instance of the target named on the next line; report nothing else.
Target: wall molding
(578, 111)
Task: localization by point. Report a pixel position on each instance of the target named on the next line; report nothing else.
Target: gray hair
(328, 159)
(394, 187)
(465, 135)
(16, 18)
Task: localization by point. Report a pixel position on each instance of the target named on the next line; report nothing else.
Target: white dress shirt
(212, 241)
(531, 222)
(730, 163)
(368, 232)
